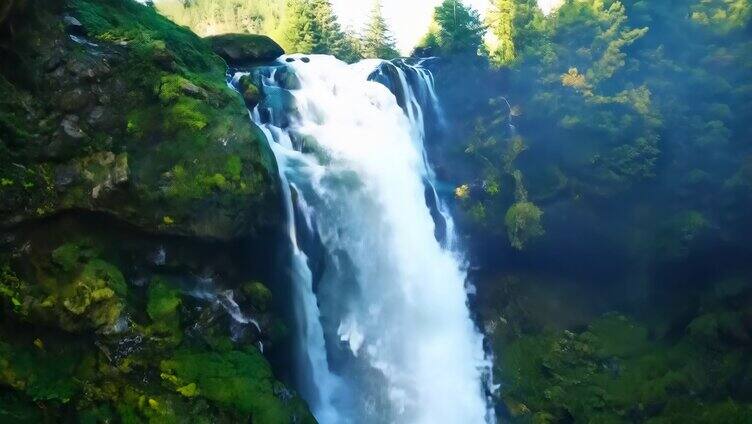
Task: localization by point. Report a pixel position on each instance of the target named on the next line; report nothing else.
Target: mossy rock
(259, 295)
(245, 49)
(523, 222)
(137, 122)
(241, 380)
(163, 308)
(76, 291)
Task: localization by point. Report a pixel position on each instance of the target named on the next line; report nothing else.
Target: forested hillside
(225, 16)
(606, 168)
(302, 26)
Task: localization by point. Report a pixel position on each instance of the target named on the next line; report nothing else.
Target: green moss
(258, 294)
(611, 372)
(240, 380)
(234, 167)
(163, 309)
(148, 32)
(523, 224)
(165, 101)
(39, 374)
(164, 300)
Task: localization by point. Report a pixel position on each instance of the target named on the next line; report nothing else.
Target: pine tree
(377, 41)
(456, 29)
(311, 26)
(350, 49)
(298, 28)
(501, 22)
(521, 31)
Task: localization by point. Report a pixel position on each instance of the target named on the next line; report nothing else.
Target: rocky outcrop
(136, 203)
(245, 49)
(130, 117)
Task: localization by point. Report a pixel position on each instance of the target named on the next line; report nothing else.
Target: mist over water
(385, 334)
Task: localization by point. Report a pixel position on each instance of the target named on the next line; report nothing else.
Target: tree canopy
(377, 40)
(456, 29)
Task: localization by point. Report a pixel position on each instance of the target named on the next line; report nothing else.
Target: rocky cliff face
(112, 109)
(136, 203)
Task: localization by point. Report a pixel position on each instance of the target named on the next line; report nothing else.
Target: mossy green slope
(615, 372)
(128, 168)
(132, 117)
(79, 342)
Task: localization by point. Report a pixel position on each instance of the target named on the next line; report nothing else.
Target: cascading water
(379, 291)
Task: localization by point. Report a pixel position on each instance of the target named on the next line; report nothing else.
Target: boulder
(245, 49)
(250, 92)
(73, 26)
(73, 100)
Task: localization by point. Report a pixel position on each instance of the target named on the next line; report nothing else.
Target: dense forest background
(607, 174)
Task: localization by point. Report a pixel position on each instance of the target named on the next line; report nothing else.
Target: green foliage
(310, 26)
(40, 375)
(72, 255)
(147, 32)
(163, 308)
(523, 224)
(611, 373)
(163, 301)
(377, 41)
(259, 295)
(456, 29)
(97, 375)
(17, 408)
(237, 379)
(501, 22)
(519, 29)
(211, 17)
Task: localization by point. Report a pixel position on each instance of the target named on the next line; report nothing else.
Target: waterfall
(379, 286)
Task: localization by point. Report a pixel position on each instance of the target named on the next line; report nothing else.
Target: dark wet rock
(107, 153)
(71, 128)
(245, 49)
(193, 90)
(250, 91)
(54, 62)
(83, 69)
(73, 26)
(65, 175)
(287, 79)
(305, 59)
(95, 116)
(74, 100)
(165, 59)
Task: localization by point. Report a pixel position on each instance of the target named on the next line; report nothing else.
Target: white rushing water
(379, 293)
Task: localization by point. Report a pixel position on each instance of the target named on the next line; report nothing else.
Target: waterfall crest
(380, 303)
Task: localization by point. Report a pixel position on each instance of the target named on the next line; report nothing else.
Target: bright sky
(409, 19)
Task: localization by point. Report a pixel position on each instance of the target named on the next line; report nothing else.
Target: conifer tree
(501, 23)
(456, 29)
(377, 41)
(326, 32)
(311, 27)
(299, 27)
